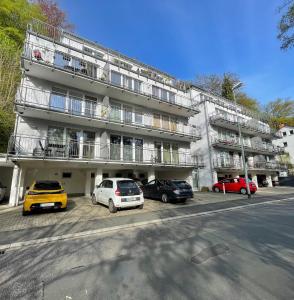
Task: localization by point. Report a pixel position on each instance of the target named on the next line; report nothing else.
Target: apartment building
(85, 112)
(287, 141)
(221, 146)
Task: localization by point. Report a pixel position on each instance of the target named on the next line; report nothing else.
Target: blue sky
(190, 37)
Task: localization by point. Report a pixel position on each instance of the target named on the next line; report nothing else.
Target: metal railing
(89, 68)
(248, 124)
(78, 106)
(235, 143)
(234, 164)
(53, 148)
(72, 41)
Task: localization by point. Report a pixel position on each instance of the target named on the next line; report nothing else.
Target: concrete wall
(5, 178)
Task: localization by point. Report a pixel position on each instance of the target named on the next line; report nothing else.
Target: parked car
(45, 194)
(2, 191)
(236, 185)
(118, 193)
(168, 190)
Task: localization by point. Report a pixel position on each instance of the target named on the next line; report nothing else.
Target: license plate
(47, 204)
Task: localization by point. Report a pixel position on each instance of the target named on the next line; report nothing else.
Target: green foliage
(247, 102)
(286, 25)
(280, 111)
(227, 88)
(14, 17)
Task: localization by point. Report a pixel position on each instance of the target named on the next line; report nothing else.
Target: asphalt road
(241, 254)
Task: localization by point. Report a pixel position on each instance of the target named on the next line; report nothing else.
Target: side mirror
(97, 186)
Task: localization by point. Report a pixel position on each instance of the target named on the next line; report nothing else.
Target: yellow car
(44, 194)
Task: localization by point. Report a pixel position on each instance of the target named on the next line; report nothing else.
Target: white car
(2, 191)
(118, 193)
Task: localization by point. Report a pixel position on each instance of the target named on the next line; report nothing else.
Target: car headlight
(177, 192)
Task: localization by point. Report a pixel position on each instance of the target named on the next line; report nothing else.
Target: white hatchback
(118, 193)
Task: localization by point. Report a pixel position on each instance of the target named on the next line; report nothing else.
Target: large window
(115, 78)
(137, 85)
(138, 117)
(115, 147)
(138, 149)
(128, 114)
(115, 112)
(90, 106)
(57, 99)
(88, 144)
(56, 144)
(127, 148)
(75, 103)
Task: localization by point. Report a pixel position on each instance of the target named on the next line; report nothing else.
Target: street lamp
(236, 86)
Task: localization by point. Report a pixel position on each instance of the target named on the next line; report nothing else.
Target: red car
(236, 185)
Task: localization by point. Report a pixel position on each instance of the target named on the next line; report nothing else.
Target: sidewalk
(83, 216)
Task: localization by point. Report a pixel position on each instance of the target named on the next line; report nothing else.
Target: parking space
(81, 209)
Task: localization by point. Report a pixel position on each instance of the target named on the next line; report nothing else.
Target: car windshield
(127, 184)
(180, 183)
(47, 185)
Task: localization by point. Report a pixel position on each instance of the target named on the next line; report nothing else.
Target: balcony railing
(229, 164)
(232, 164)
(234, 143)
(267, 166)
(58, 149)
(83, 107)
(87, 68)
(254, 127)
(72, 41)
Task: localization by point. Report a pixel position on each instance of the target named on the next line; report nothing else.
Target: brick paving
(80, 209)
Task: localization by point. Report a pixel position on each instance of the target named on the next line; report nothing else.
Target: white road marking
(17, 245)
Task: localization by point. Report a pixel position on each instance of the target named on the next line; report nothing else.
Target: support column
(269, 180)
(254, 179)
(13, 199)
(88, 184)
(21, 187)
(151, 174)
(215, 179)
(98, 176)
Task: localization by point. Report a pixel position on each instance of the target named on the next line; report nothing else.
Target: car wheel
(164, 198)
(25, 213)
(243, 191)
(216, 189)
(141, 206)
(112, 208)
(94, 200)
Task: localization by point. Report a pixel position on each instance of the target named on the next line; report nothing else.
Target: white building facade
(221, 146)
(85, 112)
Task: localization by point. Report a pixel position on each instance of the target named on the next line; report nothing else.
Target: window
(75, 103)
(115, 147)
(285, 144)
(115, 78)
(128, 82)
(66, 175)
(292, 131)
(90, 106)
(164, 95)
(172, 97)
(55, 134)
(88, 144)
(138, 149)
(155, 91)
(127, 148)
(137, 85)
(128, 114)
(57, 99)
(138, 117)
(108, 184)
(284, 133)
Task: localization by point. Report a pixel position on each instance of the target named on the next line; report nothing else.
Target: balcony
(64, 107)
(86, 73)
(234, 144)
(47, 148)
(250, 127)
(271, 166)
(226, 164)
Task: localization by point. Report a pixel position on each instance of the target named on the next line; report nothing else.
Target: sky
(186, 38)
